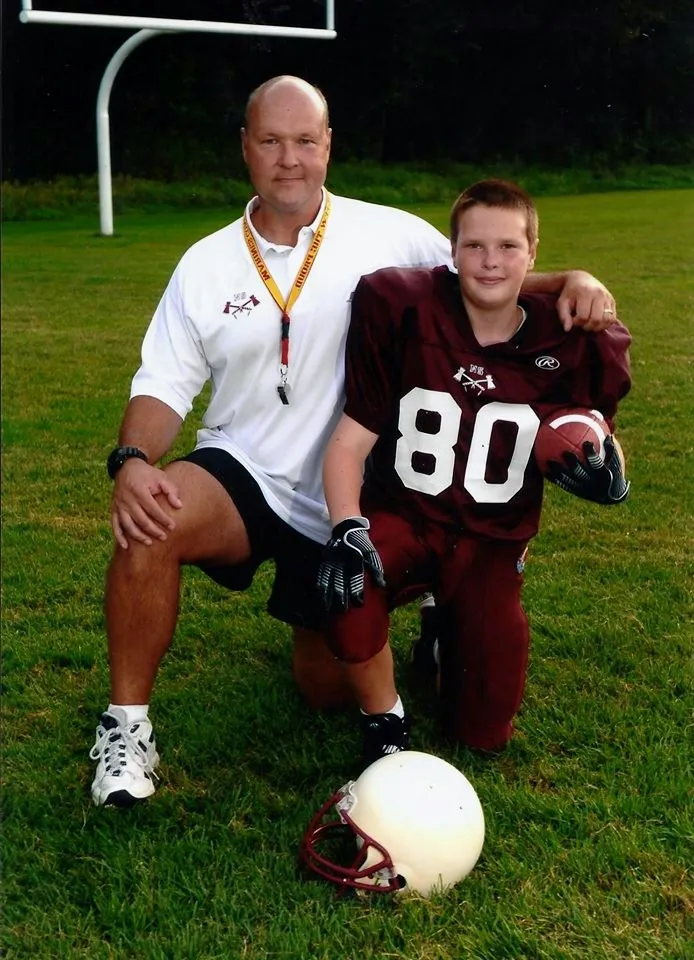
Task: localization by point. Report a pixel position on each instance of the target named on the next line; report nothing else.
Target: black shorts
(294, 598)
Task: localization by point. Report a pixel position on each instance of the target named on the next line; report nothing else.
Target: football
(565, 431)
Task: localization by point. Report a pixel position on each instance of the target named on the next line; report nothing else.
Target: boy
(448, 378)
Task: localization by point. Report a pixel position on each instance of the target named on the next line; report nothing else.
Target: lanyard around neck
(274, 291)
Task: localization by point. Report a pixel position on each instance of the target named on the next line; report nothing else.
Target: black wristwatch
(117, 458)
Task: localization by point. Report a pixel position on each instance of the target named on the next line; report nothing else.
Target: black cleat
(383, 733)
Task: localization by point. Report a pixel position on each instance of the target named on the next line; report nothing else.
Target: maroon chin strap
(352, 876)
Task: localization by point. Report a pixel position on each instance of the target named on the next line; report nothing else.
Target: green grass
(589, 813)
(397, 184)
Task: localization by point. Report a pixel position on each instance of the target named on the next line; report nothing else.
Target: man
(260, 308)
(445, 397)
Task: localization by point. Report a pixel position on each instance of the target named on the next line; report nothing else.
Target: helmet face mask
(371, 869)
(416, 822)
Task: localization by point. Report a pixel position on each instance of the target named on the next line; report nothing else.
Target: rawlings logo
(547, 363)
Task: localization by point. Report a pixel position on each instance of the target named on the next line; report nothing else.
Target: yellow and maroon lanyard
(272, 288)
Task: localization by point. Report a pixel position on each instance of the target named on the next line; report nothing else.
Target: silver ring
(607, 310)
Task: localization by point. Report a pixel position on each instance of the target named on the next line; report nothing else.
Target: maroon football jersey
(457, 421)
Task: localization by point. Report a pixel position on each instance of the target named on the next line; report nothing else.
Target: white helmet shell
(418, 822)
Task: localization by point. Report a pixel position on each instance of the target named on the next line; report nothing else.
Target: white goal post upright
(103, 127)
(151, 27)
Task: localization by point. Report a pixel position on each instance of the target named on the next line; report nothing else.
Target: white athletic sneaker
(126, 755)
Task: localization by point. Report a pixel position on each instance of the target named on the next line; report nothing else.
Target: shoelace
(121, 742)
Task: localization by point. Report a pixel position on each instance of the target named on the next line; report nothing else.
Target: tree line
(407, 81)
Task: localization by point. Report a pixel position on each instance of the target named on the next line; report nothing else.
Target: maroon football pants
(483, 630)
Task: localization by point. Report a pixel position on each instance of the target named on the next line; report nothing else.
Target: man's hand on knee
(135, 512)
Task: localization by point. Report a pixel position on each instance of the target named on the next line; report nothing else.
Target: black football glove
(345, 557)
(600, 480)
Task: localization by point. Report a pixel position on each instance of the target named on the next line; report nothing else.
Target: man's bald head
(286, 146)
(284, 87)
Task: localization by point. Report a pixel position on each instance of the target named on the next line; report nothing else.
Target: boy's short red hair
(496, 193)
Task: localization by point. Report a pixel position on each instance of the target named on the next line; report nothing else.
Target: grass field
(589, 813)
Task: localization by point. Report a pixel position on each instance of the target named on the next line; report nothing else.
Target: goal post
(171, 25)
(151, 27)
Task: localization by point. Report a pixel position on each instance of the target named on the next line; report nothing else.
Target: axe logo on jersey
(474, 379)
(240, 303)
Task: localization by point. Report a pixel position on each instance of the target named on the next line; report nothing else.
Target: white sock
(397, 709)
(133, 711)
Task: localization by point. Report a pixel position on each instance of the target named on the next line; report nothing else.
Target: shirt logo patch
(547, 363)
(474, 379)
(240, 303)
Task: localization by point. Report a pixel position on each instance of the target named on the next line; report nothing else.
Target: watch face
(114, 463)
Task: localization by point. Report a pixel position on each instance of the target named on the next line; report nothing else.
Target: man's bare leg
(142, 595)
(143, 582)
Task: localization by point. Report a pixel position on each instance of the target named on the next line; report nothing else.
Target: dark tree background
(545, 82)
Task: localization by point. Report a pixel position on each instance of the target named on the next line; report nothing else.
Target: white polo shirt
(217, 321)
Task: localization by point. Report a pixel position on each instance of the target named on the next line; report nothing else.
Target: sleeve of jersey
(610, 370)
(370, 359)
(174, 369)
